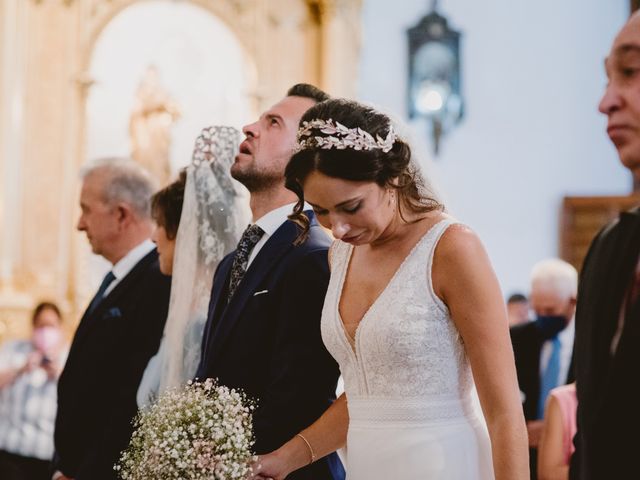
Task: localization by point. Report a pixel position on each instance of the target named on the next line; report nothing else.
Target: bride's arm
(324, 436)
(464, 279)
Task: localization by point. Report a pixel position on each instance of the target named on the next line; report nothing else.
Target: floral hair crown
(340, 137)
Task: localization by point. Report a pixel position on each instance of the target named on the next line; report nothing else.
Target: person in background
(517, 309)
(556, 442)
(543, 347)
(29, 371)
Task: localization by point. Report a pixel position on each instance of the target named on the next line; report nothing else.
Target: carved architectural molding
(46, 48)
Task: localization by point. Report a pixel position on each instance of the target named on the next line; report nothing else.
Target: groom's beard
(258, 181)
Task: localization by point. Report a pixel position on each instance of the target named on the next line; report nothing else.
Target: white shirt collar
(270, 222)
(122, 268)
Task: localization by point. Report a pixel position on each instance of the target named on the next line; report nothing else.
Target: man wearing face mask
(543, 348)
(29, 371)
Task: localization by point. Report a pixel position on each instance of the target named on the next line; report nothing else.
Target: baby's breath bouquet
(201, 431)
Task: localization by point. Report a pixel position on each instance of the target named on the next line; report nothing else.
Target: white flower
(200, 431)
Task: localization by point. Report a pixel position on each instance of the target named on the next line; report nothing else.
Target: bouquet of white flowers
(200, 431)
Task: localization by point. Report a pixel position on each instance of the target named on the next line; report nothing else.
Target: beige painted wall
(45, 52)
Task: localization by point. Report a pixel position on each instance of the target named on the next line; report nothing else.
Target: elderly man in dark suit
(607, 353)
(263, 329)
(543, 348)
(120, 329)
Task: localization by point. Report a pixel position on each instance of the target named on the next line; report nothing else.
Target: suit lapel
(277, 245)
(217, 303)
(89, 321)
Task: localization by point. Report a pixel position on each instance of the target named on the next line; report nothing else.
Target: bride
(199, 218)
(413, 315)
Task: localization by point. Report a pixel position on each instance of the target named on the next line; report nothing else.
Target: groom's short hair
(307, 90)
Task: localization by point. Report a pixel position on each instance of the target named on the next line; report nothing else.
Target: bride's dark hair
(393, 169)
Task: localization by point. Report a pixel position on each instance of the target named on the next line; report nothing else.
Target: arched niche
(48, 46)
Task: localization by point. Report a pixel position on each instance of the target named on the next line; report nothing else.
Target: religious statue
(153, 114)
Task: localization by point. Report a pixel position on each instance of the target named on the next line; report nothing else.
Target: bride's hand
(268, 467)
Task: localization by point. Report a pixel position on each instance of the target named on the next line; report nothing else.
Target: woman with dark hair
(413, 314)
(199, 219)
(166, 208)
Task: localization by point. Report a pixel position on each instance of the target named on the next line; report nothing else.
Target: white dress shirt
(566, 337)
(270, 222)
(122, 268)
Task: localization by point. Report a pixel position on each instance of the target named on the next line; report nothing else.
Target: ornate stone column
(13, 33)
(45, 53)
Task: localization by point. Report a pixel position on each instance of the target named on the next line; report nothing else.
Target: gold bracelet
(313, 455)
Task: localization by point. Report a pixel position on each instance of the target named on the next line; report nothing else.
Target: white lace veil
(214, 214)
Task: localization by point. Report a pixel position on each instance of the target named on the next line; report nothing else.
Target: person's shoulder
(459, 243)
(627, 218)
(149, 275)
(523, 330)
(317, 240)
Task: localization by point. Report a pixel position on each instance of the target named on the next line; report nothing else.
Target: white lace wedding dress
(410, 392)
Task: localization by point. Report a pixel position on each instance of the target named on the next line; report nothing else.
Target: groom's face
(268, 145)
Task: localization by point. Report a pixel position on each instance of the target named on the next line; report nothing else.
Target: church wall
(46, 50)
(532, 77)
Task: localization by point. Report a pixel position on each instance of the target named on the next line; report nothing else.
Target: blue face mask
(550, 325)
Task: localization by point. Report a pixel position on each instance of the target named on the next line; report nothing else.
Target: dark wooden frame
(583, 217)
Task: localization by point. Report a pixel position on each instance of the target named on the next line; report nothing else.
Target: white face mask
(46, 339)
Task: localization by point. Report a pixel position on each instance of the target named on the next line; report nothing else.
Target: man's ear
(124, 214)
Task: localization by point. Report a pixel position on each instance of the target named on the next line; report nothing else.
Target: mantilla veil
(214, 214)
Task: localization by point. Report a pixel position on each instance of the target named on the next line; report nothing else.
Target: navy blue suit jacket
(266, 340)
(97, 388)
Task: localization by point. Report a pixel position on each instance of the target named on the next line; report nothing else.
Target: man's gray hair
(556, 275)
(125, 181)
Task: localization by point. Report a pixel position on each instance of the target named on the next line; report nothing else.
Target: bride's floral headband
(340, 137)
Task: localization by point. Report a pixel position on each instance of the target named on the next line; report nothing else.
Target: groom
(263, 328)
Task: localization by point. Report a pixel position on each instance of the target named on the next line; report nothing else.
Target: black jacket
(97, 388)
(608, 413)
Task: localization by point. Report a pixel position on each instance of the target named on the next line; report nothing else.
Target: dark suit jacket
(608, 413)
(527, 340)
(97, 388)
(267, 341)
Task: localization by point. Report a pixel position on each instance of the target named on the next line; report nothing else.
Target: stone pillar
(14, 301)
(340, 40)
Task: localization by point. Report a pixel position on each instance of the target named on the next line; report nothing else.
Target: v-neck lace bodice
(406, 344)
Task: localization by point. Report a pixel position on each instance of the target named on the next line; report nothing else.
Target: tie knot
(106, 281)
